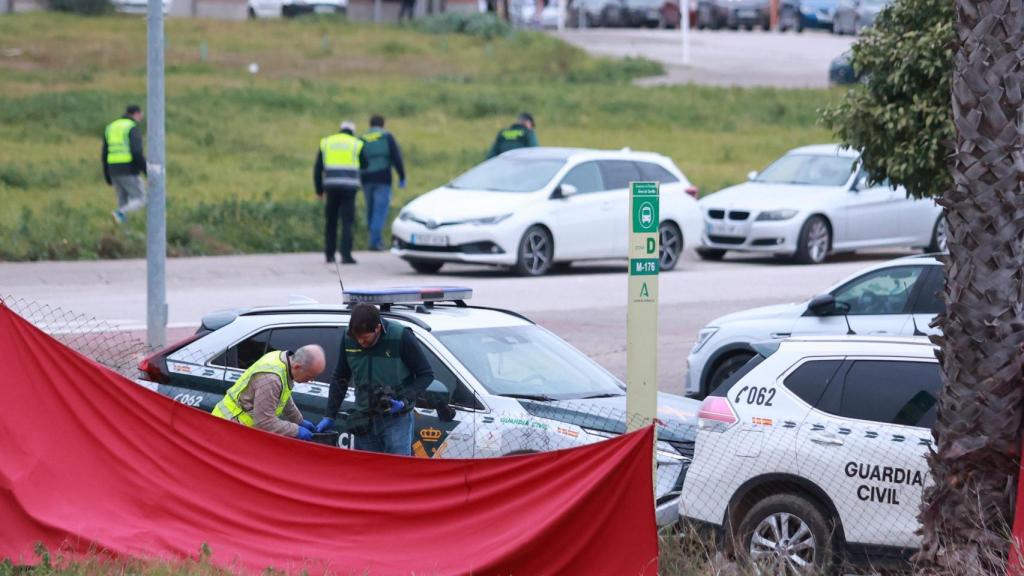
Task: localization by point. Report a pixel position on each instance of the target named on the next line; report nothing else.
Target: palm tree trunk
(966, 513)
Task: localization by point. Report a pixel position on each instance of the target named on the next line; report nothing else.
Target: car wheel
(713, 254)
(671, 248)
(940, 237)
(425, 266)
(815, 239)
(536, 252)
(786, 534)
(725, 368)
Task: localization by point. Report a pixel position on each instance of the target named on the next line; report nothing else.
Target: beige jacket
(260, 399)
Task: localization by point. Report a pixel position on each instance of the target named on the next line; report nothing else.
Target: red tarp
(92, 461)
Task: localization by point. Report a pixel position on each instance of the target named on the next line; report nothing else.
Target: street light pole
(156, 220)
(684, 25)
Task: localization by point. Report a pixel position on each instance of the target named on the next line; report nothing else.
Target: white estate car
(534, 208)
(814, 201)
(279, 8)
(815, 453)
(896, 298)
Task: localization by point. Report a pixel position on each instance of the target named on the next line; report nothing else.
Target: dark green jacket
(515, 136)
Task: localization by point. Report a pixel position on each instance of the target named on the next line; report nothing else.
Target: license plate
(430, 239)
(723, 229)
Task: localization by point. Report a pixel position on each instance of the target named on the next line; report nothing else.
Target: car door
(615, 218)
(928, 303)
(437, 435)
(576, 219)
(872, 214)
(879, 303)
(866, 442)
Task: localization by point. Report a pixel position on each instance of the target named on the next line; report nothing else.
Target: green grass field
(240, 147)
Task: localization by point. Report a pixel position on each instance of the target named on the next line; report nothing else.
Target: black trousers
(408, 9)
(340, 202)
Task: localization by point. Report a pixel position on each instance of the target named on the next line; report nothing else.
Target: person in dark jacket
(124, 163)
(382, 155)
(389, 369)
(336, 181)
(519, 135)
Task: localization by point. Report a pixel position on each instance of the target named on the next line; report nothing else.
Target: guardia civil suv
(814, 453)
(503, 385)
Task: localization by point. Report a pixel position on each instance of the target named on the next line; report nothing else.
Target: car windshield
(528, 362)
(504, 174)
(809, 169)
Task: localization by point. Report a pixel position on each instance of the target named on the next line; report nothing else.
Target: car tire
(940, 237)
(426, 266)
(710, 254)
(815, 241)
(725, 368)
(536, 252)
(671, 244)
(788, 526)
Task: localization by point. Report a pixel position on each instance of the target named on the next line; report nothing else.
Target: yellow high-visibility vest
(341, 159)
(230, 409)
(119, 150)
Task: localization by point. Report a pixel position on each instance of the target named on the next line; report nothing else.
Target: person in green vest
(124, 163)
(336, 181)
(389, 369)
(519, 135)
(262, 395)
(382, 155)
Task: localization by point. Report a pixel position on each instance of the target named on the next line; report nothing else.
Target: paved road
(585, 305)
(723, 58)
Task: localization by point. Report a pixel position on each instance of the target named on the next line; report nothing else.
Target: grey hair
(306, 355)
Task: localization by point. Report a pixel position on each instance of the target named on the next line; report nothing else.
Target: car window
(810, 380)
(459, 394)
(892, 392)
(293, 338)
(618, 174)
(885, 291)
(809, 169)
(930, 298)
(245, 353)
(586, 178)
(509, 174)
(651, 172)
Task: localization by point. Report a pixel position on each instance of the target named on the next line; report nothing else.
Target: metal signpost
(156, 221)
(642, 314)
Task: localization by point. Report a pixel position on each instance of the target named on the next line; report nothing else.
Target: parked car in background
(841, 70)
(802, 15)
(897, 298)
(852, 16)
(816, 201)
(671, 17)
(136, 6)
(526, 15)
(814, 456)
(291, 8)
(533, 209)
(622, 13)
(733, 14)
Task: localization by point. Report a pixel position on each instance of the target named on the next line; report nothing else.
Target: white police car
(895, 298)
(814, 452)
(515, 387)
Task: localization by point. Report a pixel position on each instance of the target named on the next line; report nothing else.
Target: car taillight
(693, 191)
(716, 415)
(154, 366)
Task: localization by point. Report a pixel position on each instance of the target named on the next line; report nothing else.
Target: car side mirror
(822, 305)
(752, 175)
(564, 191)
(436, 397)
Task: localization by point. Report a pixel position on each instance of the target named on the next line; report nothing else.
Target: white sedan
(536, 208)
(814, 201)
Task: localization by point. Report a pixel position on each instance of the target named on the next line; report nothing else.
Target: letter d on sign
(651, 246)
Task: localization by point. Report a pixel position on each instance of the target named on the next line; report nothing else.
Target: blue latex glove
(401, 183)
(308, 425)
(324, 425)
(396, 406)
(304, 434)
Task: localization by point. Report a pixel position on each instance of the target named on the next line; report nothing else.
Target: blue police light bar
(408, 294)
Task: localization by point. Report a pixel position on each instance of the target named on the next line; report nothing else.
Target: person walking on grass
(382, 155)
(124, 163)
(336, 180)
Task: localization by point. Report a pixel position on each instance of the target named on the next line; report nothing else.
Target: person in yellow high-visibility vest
(336, 180)
(123, 162)
(262, 395)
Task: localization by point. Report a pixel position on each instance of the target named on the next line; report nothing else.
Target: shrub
(485, 26)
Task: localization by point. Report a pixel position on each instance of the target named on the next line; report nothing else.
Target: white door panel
(872, 217)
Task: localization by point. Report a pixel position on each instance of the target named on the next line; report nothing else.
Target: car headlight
(775, 215)
(489, 220)
(404, 216)
(703, 336)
